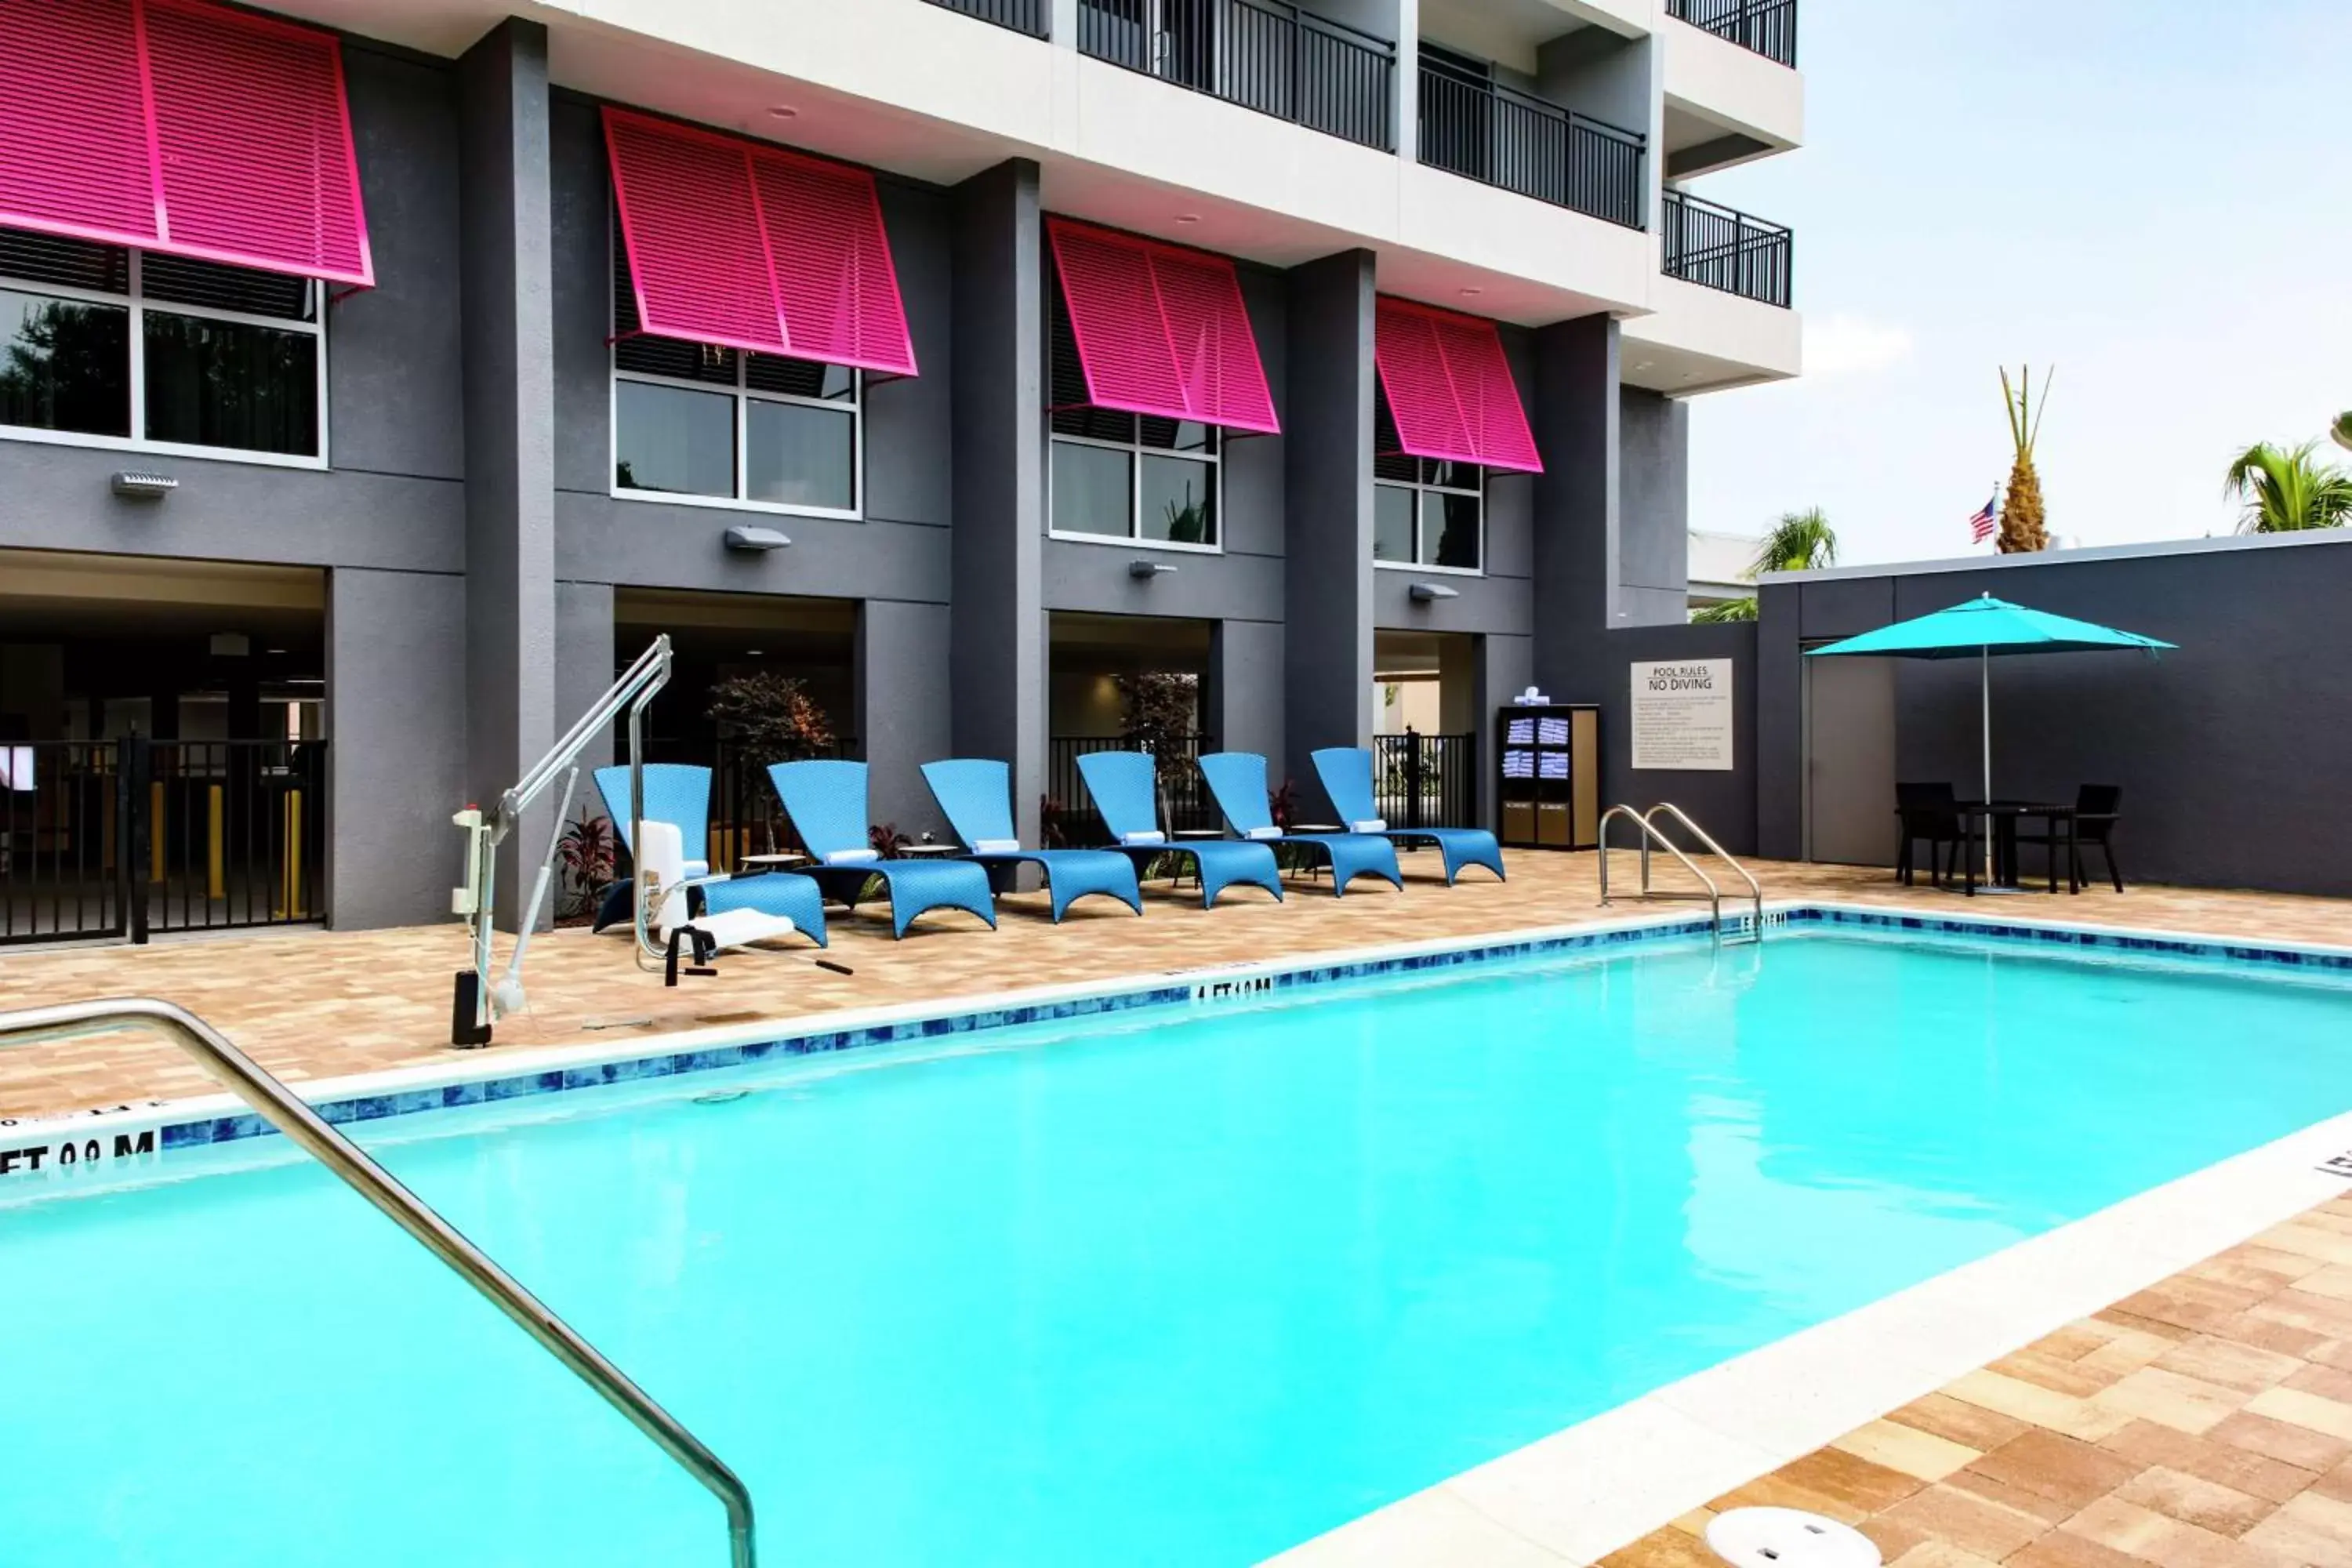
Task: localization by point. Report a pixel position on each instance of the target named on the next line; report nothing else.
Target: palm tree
(2286, 491)
(1800, 541)
(2022, 529)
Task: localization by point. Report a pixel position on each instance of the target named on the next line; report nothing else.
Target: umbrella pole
(1984, 709)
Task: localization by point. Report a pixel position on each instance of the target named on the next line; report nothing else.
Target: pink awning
(1449, 388)
(741, 244)
(182, 127)
(1161, 330)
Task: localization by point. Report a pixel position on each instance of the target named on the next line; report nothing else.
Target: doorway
(1849, 779)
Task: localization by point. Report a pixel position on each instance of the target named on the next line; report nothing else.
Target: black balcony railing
(1261, 54)
(1486, 131)
(1426, 781)
(1726, 249)
(1185, 805)
(1766, 27)
(1030, 17)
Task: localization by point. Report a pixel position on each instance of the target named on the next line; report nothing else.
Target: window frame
(1137, 451)
(134, 301)
(1423, 486)
(743, 394)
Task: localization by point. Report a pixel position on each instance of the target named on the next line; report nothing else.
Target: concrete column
(1408, 81)
(508, 374)
(584, 666)
(997, 668)
(1576, 501)
(902, 721)
(1500, 668)
(1653, 510)
(1242, 707)
(396, 730)
(1328, 534)
(1063, 22)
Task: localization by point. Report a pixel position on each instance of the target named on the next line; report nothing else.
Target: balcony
(1030, 17)
(1720, 248)
(1481, 130)
(1260, 54)
(1769, 27)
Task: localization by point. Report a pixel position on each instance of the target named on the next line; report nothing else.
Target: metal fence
(1030, 17)
(1725, 248)
(1261, 54)
(1486, 131)
(1427, 781)
(1766, 27)
(127, 838)
(1185, 805)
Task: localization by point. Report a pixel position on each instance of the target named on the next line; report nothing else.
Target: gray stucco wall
(2250, 719)
(395, 706)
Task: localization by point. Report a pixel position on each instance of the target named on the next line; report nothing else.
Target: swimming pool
(1183, 1286)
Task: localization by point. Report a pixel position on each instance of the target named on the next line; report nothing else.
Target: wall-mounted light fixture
(132, 485)
(1144, 571)
(758, 541)
(1430, 593)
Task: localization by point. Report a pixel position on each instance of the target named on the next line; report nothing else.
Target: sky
(2154, 196)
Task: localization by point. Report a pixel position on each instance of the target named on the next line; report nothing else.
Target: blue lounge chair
(826, 801)
(1347, 774)
(977, 796)
(680, 793)
(1126, 791)
(1238, 781)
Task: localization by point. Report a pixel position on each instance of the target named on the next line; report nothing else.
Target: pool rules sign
(1682, 716)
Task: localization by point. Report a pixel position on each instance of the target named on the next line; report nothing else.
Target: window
(713, 425)
(1126, 476)
(1425, 512)
(104, 346)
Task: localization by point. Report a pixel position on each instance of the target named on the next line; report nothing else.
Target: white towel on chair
(996, 846)
(853, 857)
(1149, 835)
(1263, 833)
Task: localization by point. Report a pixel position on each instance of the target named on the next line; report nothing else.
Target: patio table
(2001, 818)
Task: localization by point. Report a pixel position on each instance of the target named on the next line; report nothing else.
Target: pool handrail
(283, 1109)
(1754, 887)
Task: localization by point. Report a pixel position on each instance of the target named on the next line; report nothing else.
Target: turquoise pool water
(1184, 1288)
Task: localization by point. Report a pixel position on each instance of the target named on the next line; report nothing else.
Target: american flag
(1984, 525)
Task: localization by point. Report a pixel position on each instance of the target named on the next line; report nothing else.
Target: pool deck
(2201, 1421)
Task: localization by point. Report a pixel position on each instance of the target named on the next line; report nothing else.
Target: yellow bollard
(155, 834)
(216, 877)
(290, 903)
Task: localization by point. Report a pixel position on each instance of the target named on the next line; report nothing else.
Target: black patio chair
(1929, 811)
(2098, 809)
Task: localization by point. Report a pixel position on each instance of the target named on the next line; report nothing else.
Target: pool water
(1185, 1288)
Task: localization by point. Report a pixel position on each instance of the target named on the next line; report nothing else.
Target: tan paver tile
(2298, 1445)
(1906, 1449)
(2192, 1499)
(2142, 1532)
(1941, 1554)
(2328, 1382)
(2039, 1406)
(2060, 1550)
(2229, 1363)
(1970, 1522)
(2331, 1416)
(2311, 1528)
(1664, 1549)
(2144, 1443)
(2171, 1399)
(2065, 1469)
(1957, 1421)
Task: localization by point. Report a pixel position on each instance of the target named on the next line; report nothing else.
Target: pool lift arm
(479, 1003)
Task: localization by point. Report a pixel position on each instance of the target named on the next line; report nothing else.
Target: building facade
(990, 366)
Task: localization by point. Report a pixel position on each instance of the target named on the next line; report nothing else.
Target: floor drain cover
(1784, 1538)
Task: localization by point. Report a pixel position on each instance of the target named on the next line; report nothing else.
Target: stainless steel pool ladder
(282, 1108)
(1645, 823)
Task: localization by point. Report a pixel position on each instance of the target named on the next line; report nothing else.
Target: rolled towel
(1369, 825)
(1263, 833)
(853, 857)
(1151, 836)
(996, 847)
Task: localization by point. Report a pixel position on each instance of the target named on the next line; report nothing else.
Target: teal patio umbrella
(1981, 629)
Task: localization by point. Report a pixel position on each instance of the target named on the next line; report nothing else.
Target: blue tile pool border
(1240, 982)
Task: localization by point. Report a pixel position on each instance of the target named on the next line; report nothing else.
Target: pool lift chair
(479, 1001)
